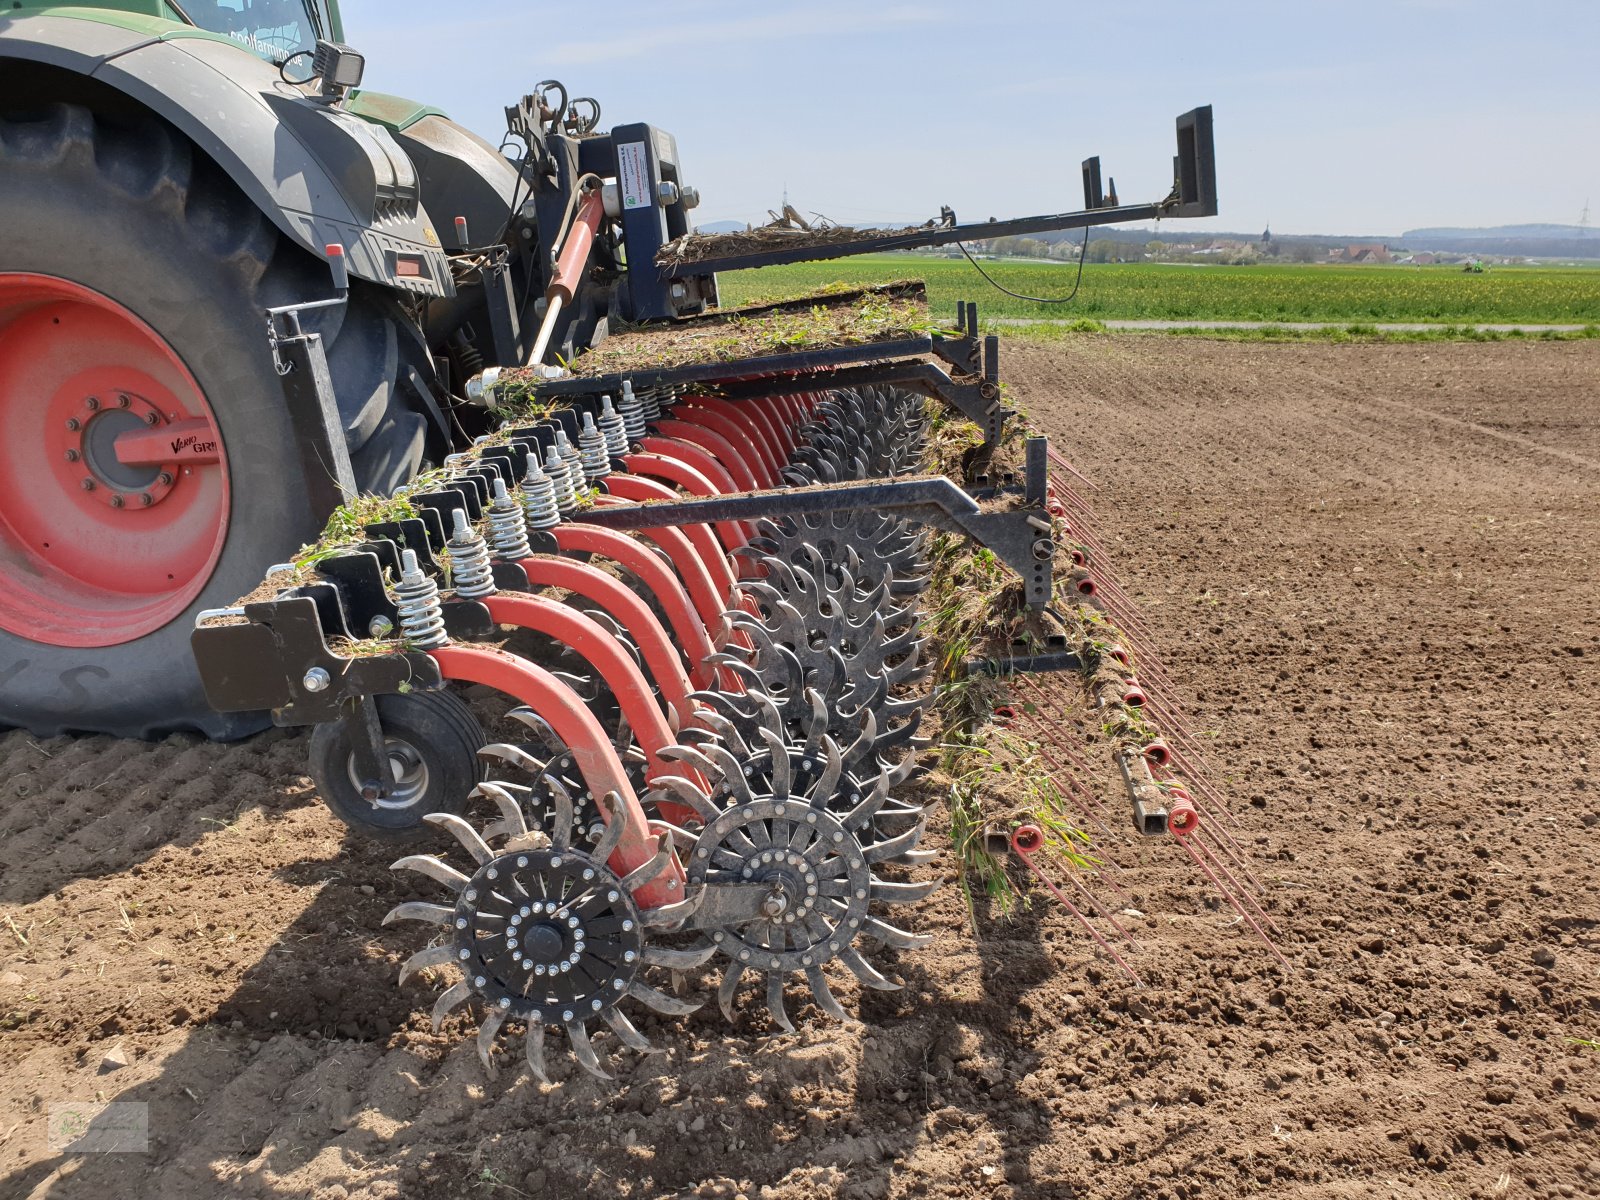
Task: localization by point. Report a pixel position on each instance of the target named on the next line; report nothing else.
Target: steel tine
(824, 994)
(775, 1001)
(669, 1005)
(893, 847)
(895, 938)
(459, 994)
(864, 971)
(463, 833)
(628, 1032)
(487, 1032)
(678, 960)
(562, 815)
(514, 756)
(433, 956)
(729, 988)
(643, 874)
(669, 915)
(421, 910)
(533, 1047)
(583, 1049)
(427, 864)
(902, 893)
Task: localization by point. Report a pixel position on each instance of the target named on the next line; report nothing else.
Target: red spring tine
(635, 487)
(714, 444)
(1190, 849)
(1027, 841)
(1158, 753)
(630, 611)
(675, 471)
(1210, 852)
(591, 748)
(1060, 460)
(694, 633)
(735, 434)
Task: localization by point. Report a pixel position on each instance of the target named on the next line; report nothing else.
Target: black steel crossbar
(1020, 538)
(937, 235)
(773, 364)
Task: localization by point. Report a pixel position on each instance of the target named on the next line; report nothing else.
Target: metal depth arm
(1021, 538)
(1194, 194)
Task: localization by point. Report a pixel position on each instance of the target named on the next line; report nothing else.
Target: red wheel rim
(97, 552)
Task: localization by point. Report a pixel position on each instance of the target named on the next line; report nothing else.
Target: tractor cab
(276, 30)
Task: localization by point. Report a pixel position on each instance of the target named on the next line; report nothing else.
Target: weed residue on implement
(784, 233)
(854, 318)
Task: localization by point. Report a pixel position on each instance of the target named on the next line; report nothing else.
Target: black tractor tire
(433, 742)
(128, 207)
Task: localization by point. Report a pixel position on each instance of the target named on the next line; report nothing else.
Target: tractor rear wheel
(131, 314)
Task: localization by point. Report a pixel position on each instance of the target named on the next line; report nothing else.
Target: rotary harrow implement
(699, 589)
(683, 578)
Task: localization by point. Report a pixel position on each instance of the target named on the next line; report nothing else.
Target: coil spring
(592, 448)
(613, 428)
(417, 598)
(539, 497)
(650, 400)
(560, 474)
(632, 413)
(572, 456)
(508, 527)
(470, 569)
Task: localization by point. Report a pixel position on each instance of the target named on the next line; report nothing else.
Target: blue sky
(1360, 117)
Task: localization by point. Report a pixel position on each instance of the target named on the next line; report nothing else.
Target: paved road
(1384, 327)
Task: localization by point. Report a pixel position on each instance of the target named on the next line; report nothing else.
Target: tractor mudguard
(461, 175)
(322, 175)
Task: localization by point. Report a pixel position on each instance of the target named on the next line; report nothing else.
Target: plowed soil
(1372, 572)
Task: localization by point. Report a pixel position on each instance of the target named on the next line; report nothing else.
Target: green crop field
(1155, 291)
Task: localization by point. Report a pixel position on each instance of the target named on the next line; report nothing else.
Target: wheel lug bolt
(123, 402)
(146, 499)
(151, 418)
(73, 424)
(88, 485)
(164, 479)
(92, 404)
(117, 502)
(72, 456)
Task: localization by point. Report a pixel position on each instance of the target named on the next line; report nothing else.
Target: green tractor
(236, 290)
(170, 170)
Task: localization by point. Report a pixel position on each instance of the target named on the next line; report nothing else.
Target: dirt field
(1373, 572)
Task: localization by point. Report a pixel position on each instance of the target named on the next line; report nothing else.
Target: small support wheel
(427, 762)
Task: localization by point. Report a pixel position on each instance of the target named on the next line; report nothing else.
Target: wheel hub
(548, 936)
(812, 864)
(92, 441)
(408, 776)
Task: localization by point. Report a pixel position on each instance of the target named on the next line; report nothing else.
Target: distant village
(1123, 246)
